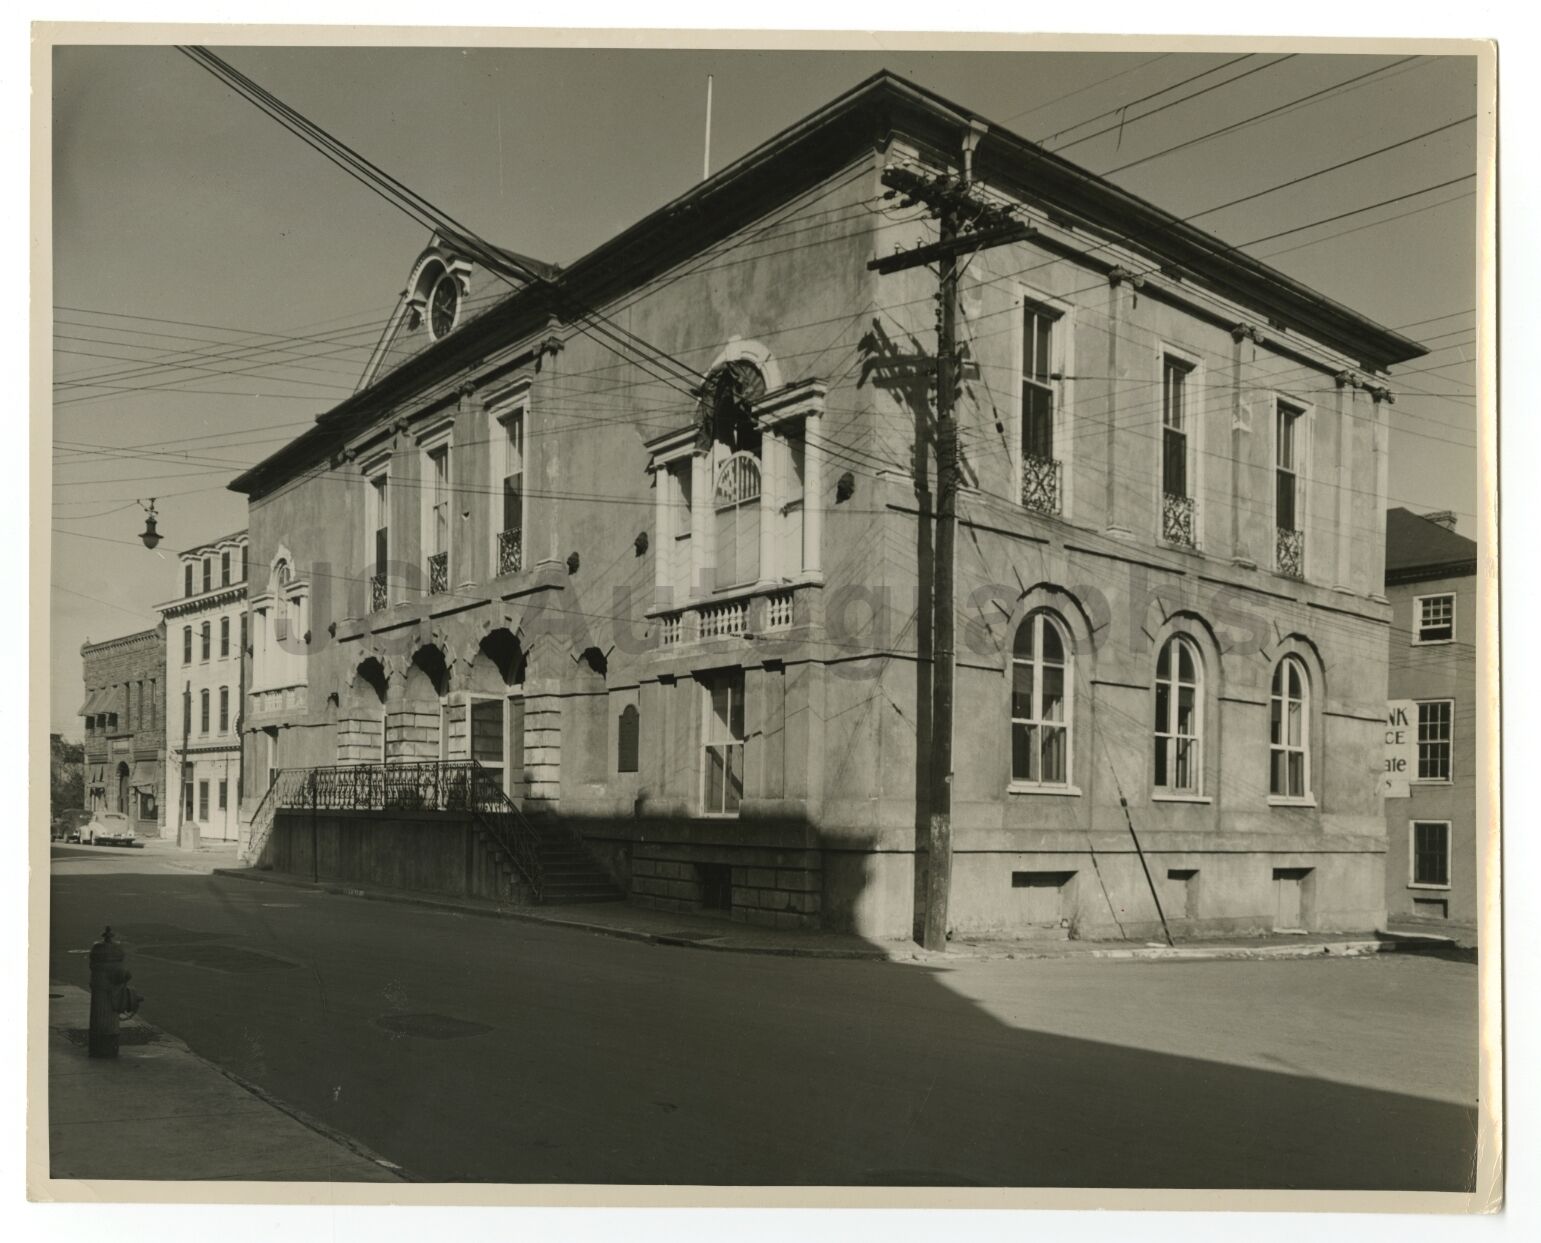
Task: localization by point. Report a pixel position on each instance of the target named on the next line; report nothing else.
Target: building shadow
(524, 1053)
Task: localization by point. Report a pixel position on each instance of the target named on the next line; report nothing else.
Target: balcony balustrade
(438, 573)
(510, 551)
(379, 597)
(1040, 484)
(1290, 552)
(1178, 515)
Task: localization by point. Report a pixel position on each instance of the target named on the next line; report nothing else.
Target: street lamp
(150, 536)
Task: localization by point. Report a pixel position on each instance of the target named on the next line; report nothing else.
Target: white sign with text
(1401, 758)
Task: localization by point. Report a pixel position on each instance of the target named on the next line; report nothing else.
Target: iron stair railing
(281, 792)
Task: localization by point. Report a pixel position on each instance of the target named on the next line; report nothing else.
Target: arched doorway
(361, 724)
(414, 723)
(495, 706)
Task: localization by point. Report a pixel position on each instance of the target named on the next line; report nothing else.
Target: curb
(160, 1036)
(551, 921)
(1406, 943)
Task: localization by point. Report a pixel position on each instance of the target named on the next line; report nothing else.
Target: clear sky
(186, 223)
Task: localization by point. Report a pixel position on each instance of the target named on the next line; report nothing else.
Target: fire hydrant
(111, 997)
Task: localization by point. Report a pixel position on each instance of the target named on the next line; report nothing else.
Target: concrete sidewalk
(708, 932)
(159, 1111)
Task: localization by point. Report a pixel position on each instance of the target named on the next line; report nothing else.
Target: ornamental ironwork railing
(438, 573)
(1040, 484)
(1177, 519)
(1290, 552)
(510, 551)
(379, 596)
(430, 785)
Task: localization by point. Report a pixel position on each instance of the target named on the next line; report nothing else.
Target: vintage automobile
(109, 828)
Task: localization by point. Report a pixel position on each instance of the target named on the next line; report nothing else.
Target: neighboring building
(651, 537)
(125, 720)
(1431, 581)
(205, 640)
(66, 775)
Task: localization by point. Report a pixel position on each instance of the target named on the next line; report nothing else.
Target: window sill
(1436, 782)
(1180, 798)
(1024, 787)
(1436, 888)
(1275, 801)
(1433, 642)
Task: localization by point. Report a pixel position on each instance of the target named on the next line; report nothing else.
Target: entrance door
(1289, 890)
(487, 744)
(123, 788)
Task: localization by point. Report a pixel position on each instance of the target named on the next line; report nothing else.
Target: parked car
(109, 828)
(67, 824)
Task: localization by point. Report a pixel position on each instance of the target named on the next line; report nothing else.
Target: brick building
(125, 727)
(1431, 821)
(651, 538)
(205, 631)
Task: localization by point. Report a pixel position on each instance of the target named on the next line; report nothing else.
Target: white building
(205, 642)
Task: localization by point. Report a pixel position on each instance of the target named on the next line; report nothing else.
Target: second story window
(377, 522)
(1435, 719)
(508, 487)
(203, 711)
(1040, 466)
(436, 517)
(1434, 619)
(187, 643)
(1289, 555)
(224, 636)
(1177, 506)
(205, 636)
(224, 709)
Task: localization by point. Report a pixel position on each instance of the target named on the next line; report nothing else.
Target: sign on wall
(1401, 754)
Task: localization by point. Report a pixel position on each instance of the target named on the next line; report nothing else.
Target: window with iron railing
(1289, 546)
(1040, 482)
(436, 538)
(378, 522)
(1177, 506)
(510, 488)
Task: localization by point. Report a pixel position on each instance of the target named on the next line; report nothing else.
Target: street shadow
(591, 1059)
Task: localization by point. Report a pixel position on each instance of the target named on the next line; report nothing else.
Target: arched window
(736, 500)
(1040, 703)
(1289, 731)
(1179, 712)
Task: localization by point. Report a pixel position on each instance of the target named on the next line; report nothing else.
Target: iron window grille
(1040, 484)
(1177, 519)
(438, 573)
(510, 550)
(1290, 552)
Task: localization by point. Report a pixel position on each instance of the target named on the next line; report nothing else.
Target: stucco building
(124, 713)
(1431, 823)
(205, 635)
(651, 537)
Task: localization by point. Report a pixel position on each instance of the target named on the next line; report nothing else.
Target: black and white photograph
(719, 612)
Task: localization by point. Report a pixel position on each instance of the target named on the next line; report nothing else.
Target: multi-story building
(1431, 817)
(205, 635)
(125, 727)
(651, 539)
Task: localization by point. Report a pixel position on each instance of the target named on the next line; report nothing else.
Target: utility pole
(966, 223)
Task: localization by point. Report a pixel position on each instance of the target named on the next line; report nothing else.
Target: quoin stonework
(647, 543)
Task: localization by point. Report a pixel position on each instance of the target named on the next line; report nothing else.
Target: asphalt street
(466, 1048)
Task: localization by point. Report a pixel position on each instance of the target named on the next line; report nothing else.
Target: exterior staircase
(539, 861)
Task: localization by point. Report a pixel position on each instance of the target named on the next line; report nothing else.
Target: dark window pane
(1053, 755)
(1037, 421)
(1021, 690)
(1284, 500)
(1174, 463)
(1022, 738)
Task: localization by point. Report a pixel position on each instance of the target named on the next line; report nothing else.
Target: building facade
(124, 714)
(1431, 819)
(652, 538)
(205, 636)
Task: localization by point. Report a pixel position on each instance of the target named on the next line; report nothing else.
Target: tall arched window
(736, 502)
(1179, 713)
(1040, 703)
(1289, 731)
